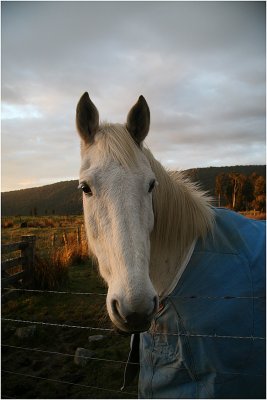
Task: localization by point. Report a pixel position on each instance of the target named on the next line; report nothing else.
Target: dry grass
(48, 273)
(51, 270)
(254, 215)
(60, 243)
(7, 224)
(42, 223)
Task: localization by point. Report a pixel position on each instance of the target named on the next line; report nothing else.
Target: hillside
(63, 198)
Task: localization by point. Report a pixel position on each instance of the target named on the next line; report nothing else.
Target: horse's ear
(138, 120)
(87, 118)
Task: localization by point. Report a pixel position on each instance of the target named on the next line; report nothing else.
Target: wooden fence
(77, 234)
(25, 261)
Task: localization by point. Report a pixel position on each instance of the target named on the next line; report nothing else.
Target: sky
(200, 65)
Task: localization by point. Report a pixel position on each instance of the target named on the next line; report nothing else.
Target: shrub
(7, 224)
(49, 223)
(51, 270)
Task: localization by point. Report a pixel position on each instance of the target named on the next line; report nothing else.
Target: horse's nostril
(114, 306)
(115, 309)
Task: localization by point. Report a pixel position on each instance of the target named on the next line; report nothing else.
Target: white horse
(147, 228)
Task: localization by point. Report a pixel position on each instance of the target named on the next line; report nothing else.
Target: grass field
(46, 229)
(54, 360)
(49, 353)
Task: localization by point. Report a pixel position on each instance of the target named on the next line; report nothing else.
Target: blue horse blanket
(208, 339)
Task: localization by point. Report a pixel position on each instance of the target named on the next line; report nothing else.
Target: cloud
(200, 65)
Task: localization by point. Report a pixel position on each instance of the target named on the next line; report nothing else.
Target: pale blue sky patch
(18, 111)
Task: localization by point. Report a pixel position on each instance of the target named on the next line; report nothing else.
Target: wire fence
(66, 382)
(157, 333)
(228, 297)
(91, 328)
(108, 331)
(53, 291)
(56, 353)
(110, 391)
(67, 355)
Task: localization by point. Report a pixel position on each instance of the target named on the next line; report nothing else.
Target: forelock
(119, 144)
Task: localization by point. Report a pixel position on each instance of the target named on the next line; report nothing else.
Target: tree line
(241, 192)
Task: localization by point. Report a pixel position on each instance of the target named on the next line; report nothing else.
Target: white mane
(182, 211)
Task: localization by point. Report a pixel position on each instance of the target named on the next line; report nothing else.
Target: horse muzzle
(134, 321)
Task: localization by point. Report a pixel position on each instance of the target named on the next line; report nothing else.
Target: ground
(43, 365)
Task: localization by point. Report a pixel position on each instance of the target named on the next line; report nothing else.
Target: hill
(63, 198)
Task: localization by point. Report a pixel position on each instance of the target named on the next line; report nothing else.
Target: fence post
(28, 253)
(78, 235)
(53, 240)
(65, 239)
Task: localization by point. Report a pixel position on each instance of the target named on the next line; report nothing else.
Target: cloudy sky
(200, 66)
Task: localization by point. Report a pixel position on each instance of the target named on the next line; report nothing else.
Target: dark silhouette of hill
(63, 198)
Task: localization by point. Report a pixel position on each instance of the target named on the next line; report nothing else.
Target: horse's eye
(85, 188)
(151, 185)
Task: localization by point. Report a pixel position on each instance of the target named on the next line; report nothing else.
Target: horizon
(200, 65)
(188, 169)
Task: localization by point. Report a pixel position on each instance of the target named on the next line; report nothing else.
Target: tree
(222, 188)
(248, 193)
(241, 192)
(237, 182)
(260, 193)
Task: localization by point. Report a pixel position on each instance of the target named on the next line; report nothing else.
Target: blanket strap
(133, 363)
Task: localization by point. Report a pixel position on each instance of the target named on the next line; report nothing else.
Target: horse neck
(182, 214)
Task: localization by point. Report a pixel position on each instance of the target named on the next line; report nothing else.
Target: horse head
(117, 182)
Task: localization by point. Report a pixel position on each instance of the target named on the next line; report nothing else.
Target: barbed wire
(114, 361)
(219, 297)
(58, 325)
(68, 383)
(109, 330)
(193, 335)
(214, 336)
(54, 291)
(226, 297)
(68, 355)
